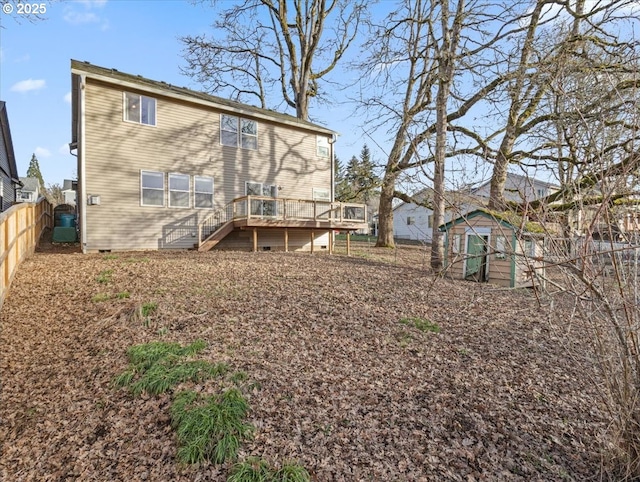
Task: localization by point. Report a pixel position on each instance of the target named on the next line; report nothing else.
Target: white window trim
(320, 144)
(238, 132)
(195, 191)
(321, 194)
(124, 110)
(243, 134)
(501, 246)
(188, 191)
(142, 188)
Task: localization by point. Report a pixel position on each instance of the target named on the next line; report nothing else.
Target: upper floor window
(179, 190)
(322, 146)
(238, 132)
(152, 184)
(140, 109)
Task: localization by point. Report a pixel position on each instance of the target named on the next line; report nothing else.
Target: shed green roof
(508, 219)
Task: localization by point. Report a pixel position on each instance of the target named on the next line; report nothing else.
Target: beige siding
(185, 140)
(499, 268)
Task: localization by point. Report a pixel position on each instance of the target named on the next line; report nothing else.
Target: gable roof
(532, 181)
(140, 83)
(5, 132)
(506, 219)
(30, 184)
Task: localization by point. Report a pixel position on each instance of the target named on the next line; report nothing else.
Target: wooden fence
(20, 229)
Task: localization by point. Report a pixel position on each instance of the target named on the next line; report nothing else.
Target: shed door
(476, 261)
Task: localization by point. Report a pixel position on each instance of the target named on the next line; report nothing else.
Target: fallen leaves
(342, 386)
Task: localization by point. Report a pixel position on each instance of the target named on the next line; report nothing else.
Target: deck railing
(283, 210)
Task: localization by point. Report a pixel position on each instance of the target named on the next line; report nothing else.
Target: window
(455, 244)
(179, 190)
(322, 146)
(530, 248)
(203, 192)
(321, 194)
(262, 207)
(235, 132)
(249, 134)
(411, 220)
(501, 247)
(430, 221)
(229, 130)
(140, 109)
(152, 184)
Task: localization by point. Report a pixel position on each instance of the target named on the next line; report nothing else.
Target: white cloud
(87, 15)
(67, 97)
(28, 85)
(79, 18)
(42, 152)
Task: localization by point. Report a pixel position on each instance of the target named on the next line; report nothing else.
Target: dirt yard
(342, 385)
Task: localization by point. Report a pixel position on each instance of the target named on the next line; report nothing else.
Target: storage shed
(498, 248)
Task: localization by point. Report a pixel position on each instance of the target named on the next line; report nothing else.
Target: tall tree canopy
(265, 48)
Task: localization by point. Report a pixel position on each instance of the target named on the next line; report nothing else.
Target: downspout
(82, 197)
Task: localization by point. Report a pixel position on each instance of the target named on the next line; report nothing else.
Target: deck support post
(330, 234)
(255, 240)
(348, 243)
(312, 236)
(286, 240)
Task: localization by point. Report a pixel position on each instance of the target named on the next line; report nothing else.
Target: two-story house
(161, 166)
(9, 180)
(414, 221)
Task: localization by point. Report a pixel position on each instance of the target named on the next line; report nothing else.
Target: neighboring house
(30, 190)
(519, 189)
(161, 166)
(489, 247)
(414, 221)
(9, 180)
(69, 188)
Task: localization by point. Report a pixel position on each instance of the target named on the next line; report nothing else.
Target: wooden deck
(253, 212)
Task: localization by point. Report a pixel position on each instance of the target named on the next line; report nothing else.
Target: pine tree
(34, 170)
(342, 187)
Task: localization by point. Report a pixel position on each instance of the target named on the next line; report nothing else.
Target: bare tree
(274, 46)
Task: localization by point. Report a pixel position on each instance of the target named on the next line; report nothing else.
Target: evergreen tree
(342, 187)
(360, 177)
(34, 170)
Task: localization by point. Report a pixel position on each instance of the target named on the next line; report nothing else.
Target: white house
(30, 190)
(414, 222)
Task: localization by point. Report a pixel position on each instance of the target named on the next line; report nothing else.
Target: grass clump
(255, 469)
(123, 295)
(210, 428)
(149, 308)
(421, 324)
(157, 367)
(105, 276)
(100, 297)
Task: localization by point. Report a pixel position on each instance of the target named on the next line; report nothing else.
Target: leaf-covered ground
(341, 384)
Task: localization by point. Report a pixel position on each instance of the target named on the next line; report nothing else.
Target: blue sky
(134, 36)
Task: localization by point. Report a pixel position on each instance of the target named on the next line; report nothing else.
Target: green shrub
(421, 324)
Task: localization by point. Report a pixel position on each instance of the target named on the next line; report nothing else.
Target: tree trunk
(385, 210)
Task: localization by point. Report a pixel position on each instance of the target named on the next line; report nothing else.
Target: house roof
(30, 184)
(524, 179)
(507, 219)
(162, 88)
(452, 198)
(8, 143)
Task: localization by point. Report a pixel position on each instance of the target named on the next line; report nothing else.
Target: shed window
(179, 190)
(203, 192)
(501, 247)
(152, 184)
(140, 109)
(322, 144)
(430, 221)
(411, 220)
(455, 243)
